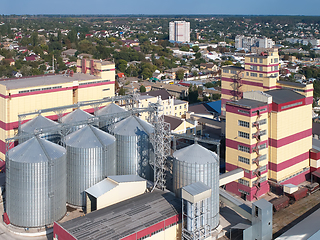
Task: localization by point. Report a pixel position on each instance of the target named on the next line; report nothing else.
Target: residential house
(209, 66)
(11, 61)
(174, 90)
(183, 126)
(68, 53)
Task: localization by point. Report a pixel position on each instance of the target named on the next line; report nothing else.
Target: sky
(151, 7)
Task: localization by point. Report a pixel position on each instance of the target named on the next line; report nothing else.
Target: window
(271, 60)
(233, 71)
(243, 111)
(251, 59)
(144, 237)
(155, 232)
(243, 160)
(260, 60)
(260, 68)
(225, 70)
(255, 60)
(276, 67)
(243, 182)
(253, 74)
(253, 67)
(291, 105)
(243, 135)
(243, 148)
(263, 168)
(180, 107)
(175, 108)
(243, 124)
(262, 146)
(247, 73)
(261, 158)
(260, 75)
(185, 106)
(276, 60)
(244, 192)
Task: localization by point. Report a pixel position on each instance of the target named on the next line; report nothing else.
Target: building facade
(179, 31)
(94, 79)
(269, 135)
(268, 125)
(242, 42)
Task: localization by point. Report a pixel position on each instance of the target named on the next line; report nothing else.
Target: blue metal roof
(216, 106)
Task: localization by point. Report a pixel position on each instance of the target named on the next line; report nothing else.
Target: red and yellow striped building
(94, 79)
(268, 126)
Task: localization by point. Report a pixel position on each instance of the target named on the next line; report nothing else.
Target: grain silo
(36, 125)
(111, 109)
(75, 118)
(36, 183)
(90, 158)
(133, 147)
(197, 164)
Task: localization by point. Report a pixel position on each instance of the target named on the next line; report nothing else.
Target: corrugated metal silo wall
(86, 167)
(32, 199)
(133, 156)
(52, 137)
(185, 173)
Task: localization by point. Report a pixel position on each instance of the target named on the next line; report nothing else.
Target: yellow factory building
(94, 80)
(268, 126)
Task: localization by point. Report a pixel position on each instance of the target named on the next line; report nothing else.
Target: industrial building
(179, 31)
(268, 126)
(94, 80)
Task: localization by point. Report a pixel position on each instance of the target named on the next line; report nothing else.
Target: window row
(243, 135)
(243, 182)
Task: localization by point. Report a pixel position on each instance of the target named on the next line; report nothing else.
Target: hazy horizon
(144, 7)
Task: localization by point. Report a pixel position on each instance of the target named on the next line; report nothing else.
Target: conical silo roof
(110, 109)
(77, 115)
(36, 150)
(38, 122)
(89, 137)
(132, 126)
(195, 154)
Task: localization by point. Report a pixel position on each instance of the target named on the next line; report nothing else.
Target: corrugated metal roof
(196, 188)
(34, 150)
(110, 109)
(38, 122)
(125, 218)
(76, 116)
(133, 126)
(126, 178)
(101, 188)
(195, 154)
(89, 137)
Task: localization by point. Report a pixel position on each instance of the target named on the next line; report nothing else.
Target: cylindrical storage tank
(38, 123)
(111, 109)
(76, 116)
(133, 147)
(36, 183)
(90, 158)
(198, 164)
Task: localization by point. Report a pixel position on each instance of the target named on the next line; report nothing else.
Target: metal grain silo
(90, 158)
(38, 123)
(198, 164)
(111, 109)
(36, 183)
(75, 117)
(133, 147)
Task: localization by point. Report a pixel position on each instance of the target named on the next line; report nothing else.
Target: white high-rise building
(242, 42)
(179, 31)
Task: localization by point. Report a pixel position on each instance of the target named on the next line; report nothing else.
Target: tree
(142, 88)
(122, 91)
(195, 48)
(180, 74)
